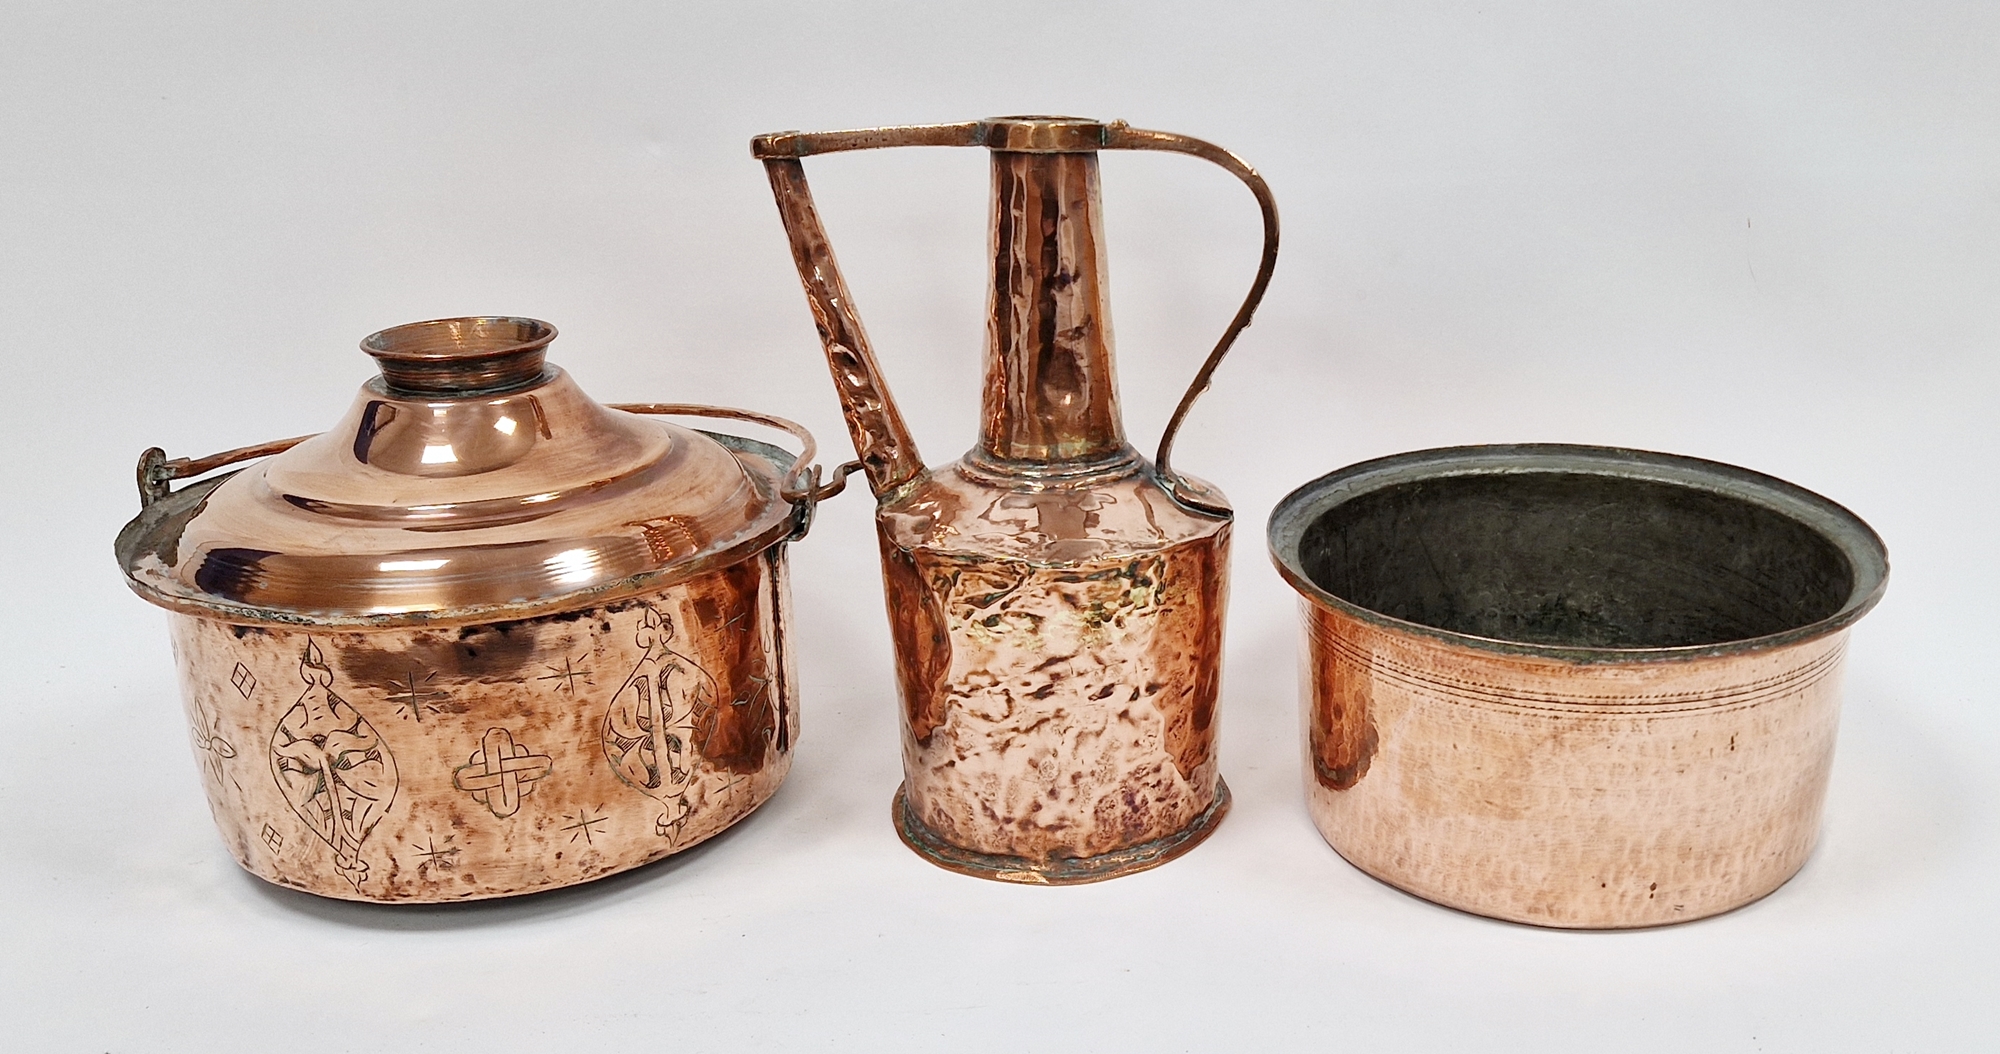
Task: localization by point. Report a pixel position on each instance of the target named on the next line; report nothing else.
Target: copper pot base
(1707, 912)
(1061, 871)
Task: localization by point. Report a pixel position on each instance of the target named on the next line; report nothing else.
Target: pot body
(1058, 654)
(434, 763)
(1567, 793)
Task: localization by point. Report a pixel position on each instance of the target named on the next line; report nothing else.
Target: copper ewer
(1572, 686)
(1056, 600)
(485, 636)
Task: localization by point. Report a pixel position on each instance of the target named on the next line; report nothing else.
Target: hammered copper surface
(455, 763)
(1056, 600)
(1051, 395)
(1572, 686)
(485, 636)
(1059, 657)
(1567, 794)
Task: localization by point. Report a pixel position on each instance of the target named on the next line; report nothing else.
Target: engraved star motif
(567, 674)
(730, 783)
(583, 823)
(433, 854)
(410, 693)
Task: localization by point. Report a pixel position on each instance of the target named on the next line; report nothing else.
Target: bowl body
(1572, 686)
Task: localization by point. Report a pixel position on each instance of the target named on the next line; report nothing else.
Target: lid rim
(770, 530)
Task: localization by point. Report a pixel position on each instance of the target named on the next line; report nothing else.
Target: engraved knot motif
(501, 772)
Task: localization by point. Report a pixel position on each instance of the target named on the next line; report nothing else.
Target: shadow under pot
(1572, 686)
(484, 636)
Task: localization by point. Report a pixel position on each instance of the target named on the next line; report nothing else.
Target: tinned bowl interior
(1572, 549)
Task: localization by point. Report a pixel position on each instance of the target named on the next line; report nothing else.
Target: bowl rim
(1858, 542)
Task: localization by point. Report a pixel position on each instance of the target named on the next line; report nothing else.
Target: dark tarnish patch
(1187, 647)
(374, 418)
(1211, 567)
(743, 724)
(1125, 817)
(230, 573)
(779, 671)
(1139, 819)
(164, 541)
(923, 646)
(613, 608)
(495, 654)
(1343, 738)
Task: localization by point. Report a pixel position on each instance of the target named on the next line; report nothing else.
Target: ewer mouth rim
(1633, 556)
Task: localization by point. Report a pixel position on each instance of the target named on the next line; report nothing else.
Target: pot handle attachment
(802, 486)
(157, 472)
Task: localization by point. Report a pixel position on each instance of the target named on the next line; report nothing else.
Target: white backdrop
(1765, 234)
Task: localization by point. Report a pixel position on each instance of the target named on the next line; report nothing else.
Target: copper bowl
(1572, 686)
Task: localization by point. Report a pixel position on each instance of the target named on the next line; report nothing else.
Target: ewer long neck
(1050, 393)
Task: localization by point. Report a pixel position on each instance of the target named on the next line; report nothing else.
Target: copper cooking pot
(1572, 686)
(485, 636)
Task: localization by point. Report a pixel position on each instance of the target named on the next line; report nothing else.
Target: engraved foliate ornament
(332, 767)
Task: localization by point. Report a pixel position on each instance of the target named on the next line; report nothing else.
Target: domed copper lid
(470, 480)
